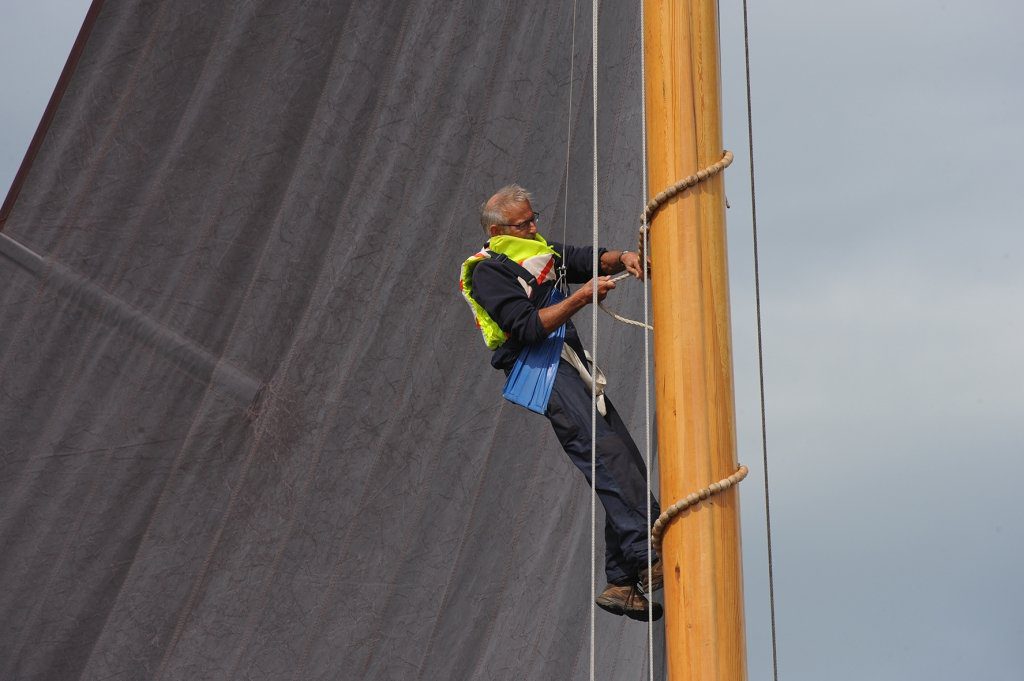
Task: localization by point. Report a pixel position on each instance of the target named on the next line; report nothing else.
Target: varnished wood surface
(692, 344)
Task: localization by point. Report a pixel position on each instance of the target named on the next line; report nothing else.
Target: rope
(669, 514)
(760, 349)
(593, 385)
(647, 346)
(682, 185)
(652, 207)
(625, 320)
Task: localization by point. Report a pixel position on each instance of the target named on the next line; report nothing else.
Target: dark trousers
(621, 472)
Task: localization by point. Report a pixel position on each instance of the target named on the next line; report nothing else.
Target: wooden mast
(692, 344)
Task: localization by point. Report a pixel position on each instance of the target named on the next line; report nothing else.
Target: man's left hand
(631, 261)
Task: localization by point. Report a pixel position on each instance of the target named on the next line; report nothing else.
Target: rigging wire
(595, 4)
(760, 345)
(647, 335)
(593, 385)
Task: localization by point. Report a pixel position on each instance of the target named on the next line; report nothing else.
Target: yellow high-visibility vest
(534, 255)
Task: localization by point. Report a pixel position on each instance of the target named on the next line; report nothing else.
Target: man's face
(520, 221)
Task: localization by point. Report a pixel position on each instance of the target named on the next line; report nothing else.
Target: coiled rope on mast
(652, 208)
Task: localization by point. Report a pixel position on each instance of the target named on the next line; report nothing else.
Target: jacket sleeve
(499, 292)
(578, 260)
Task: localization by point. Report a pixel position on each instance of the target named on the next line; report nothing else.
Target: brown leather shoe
(627, 600)
(657, 580)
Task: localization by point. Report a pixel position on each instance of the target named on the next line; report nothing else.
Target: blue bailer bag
(533, 375)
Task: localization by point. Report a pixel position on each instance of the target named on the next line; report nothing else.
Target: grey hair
(492, 211)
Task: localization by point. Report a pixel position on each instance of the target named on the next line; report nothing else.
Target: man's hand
(613, 262)
(604, 285)
(554, 316)
(632, 263)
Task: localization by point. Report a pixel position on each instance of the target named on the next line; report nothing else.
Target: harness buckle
(562, 282)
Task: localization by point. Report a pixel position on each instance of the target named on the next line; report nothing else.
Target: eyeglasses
(522, 225)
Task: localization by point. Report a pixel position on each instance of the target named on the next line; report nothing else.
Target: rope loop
(624, 320)
(669, 514)
(655, 204)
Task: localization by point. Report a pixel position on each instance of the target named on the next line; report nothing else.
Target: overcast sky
(889, 142)
(889, 148)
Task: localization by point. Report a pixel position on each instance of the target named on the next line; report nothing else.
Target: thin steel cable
(647, 335)
(593, 384)
(760, 345)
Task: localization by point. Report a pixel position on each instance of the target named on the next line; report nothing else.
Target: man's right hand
(553, 316)
(604, 285)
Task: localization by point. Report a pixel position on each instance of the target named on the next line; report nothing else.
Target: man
(507, 285)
